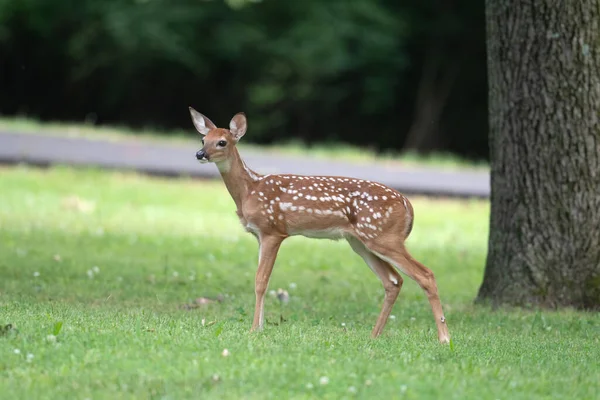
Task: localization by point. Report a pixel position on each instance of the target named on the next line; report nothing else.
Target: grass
(95, 268)
(337, 151)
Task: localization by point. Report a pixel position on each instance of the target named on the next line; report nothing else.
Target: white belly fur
(333, 233)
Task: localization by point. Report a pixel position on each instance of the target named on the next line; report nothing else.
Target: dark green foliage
(371, 72)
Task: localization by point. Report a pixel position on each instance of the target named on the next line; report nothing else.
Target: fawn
(373, 218)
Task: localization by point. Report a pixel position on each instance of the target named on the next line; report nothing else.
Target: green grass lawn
(96, 270)
(335, 151)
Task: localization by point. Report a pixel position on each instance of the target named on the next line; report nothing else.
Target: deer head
(218, 143)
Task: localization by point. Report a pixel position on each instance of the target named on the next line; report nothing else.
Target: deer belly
(318, 227)
(327, 233)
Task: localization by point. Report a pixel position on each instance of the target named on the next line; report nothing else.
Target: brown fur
(373, 218)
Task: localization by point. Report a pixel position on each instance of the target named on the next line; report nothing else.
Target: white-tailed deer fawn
(373, 218)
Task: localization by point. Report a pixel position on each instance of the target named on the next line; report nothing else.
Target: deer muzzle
(201, 155)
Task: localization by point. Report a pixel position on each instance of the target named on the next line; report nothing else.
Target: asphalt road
(177, 160)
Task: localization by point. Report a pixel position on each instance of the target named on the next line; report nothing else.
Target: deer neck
(238, 178)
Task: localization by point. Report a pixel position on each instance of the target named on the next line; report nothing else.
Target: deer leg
(401, 259)
(391, 279)
(267, 253)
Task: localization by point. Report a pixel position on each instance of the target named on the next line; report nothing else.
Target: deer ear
(238, 125)
(202, 123)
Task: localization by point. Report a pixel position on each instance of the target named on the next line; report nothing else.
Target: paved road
(175, 160)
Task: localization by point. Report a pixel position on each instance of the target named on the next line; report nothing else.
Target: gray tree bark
(544, 103)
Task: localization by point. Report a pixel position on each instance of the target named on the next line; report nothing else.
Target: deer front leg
(267, 253)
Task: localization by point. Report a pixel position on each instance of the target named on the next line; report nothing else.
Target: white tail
(373, 218)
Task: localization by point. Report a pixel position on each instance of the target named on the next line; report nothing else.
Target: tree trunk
(544, 92)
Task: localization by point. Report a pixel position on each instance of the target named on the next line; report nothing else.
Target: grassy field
(336, 151)
(101, 276)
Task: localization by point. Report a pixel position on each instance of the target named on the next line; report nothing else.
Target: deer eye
(202, 141)
(222, 143)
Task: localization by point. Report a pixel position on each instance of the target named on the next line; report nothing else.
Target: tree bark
(544, 103)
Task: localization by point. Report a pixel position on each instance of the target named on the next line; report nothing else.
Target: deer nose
(201, 154)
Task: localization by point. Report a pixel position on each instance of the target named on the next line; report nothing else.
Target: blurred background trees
(386, 74)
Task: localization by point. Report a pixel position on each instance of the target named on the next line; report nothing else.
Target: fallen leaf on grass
(7, 330)
(281, 321)
(215, 379)
(78, 204)
(283, 295)
(210, 323)
(202, 301)
(206, 300)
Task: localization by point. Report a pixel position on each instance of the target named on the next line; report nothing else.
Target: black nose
(200, 154)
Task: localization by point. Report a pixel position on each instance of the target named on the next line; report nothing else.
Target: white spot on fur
(251, 173)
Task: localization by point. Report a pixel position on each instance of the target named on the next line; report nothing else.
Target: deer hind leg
(391, 279)
(401, 259)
